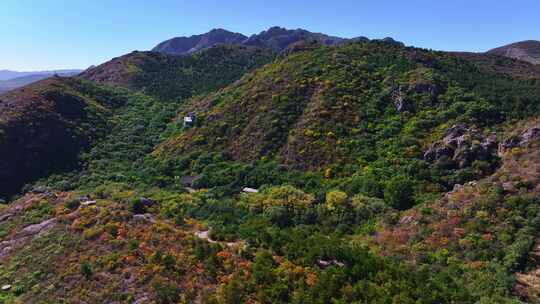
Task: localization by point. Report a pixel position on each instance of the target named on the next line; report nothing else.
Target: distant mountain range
(9, 74)
(275, 38)
(279, 39)
(528, 50)
(10, 80)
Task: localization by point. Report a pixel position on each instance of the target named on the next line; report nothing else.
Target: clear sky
(53, 34)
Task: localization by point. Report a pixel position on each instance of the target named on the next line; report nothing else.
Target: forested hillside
(175, 77)
(367, 172)
(46, 126)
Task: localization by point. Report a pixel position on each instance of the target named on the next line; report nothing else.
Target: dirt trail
(205, 236)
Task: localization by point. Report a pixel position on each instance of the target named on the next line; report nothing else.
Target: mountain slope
(339, 105)
(192, 44)
(102, 252)
(502, 65)
(173, 77)
(363, 172)
(47, 125)
(474, 225)
(44, 127)
(528, 50)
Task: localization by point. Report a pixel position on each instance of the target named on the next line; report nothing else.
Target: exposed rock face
(38, 228)
(522, 140)
(399, 100)
(462, 146)
(399, 94)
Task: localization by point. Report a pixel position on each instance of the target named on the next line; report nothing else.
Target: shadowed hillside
(44, 127)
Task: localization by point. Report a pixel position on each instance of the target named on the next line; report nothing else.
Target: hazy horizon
(60, 34)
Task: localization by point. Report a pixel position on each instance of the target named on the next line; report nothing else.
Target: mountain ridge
(527, 50)
(191, 44)
(275, 38)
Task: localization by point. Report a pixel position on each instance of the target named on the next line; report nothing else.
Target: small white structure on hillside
(189, 120)
(250, 190)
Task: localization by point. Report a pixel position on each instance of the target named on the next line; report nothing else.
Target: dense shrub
(399, 192)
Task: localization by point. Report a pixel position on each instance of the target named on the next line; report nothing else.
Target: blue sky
(52, 34)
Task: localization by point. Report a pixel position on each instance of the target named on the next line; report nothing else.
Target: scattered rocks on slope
(40, 228)
(522, 140)
(26, 234)
(147, 217)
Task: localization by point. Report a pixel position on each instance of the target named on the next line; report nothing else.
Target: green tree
(399, 192)
(86, 270)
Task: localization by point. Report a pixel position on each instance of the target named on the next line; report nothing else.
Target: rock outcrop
(418, 88)
(25, 235)
(521, 140)
(461, 146)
